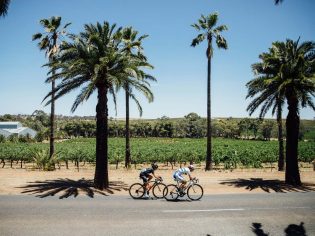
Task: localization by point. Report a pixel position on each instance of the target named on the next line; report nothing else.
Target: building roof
(16, 131)
(10, 123)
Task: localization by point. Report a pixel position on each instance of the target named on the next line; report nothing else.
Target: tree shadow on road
(291, 230)
(65, 188)
(268, 185)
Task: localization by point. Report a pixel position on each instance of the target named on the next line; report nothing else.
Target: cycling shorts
(178, 177)
(144, 178)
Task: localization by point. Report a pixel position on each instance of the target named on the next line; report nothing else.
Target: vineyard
(227, 152)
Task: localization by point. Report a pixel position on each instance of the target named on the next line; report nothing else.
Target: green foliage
(70, 127)
(13, 138)
(43, 161)
(2, 138)
(230, 153)
(39, 136)
(25, 138)
(266, 128)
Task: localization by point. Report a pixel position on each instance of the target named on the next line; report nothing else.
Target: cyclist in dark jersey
(146, 176)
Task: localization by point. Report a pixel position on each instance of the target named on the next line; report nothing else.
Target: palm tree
(49, 42)
(295, 81)
(265, 85)
(209, 31)
(133, 49)
(93, 60)
(299, 87)
(4, 6)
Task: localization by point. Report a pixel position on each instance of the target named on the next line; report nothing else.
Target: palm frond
(83, 96)
(133, 97)
(221, 42)
(212, 20)
(277, 2)
(197, 40)
(4, 6)
(36, 36)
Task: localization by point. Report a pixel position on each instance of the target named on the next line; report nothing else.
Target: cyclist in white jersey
(178, 175)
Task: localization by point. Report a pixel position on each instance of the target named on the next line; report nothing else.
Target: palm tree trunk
(209, 158)
(101, 168)
(52, 112)
(52, 119)
(280, 138)
(127, 157)
(292, 175)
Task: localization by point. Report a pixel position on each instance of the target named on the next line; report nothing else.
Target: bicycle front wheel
(171, 192)
(158, 190)
(136, 191)
(195, 192)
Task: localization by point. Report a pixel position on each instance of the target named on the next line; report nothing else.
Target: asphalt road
(238, 214)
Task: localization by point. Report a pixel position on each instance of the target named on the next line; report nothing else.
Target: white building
(9, 128)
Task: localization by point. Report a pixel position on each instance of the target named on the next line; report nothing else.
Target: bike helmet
(191, 167)
(154, 166)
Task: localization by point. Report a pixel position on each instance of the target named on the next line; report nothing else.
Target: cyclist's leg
(180, 180)
(149, 186)
(182, 184)
(145, 183)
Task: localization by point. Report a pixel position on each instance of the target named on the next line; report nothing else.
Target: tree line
(190, 126)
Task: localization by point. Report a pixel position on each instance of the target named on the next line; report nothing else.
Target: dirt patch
(66, 182)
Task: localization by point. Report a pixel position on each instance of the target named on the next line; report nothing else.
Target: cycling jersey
(147, 171)
(184, 170)
(178, 173)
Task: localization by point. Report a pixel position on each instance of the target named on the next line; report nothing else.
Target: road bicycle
(193, 190)
(137, 190)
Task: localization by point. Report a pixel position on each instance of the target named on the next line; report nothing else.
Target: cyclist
(146, 176)
(178, 176)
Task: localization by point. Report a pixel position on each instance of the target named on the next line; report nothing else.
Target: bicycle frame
(155, 182)
(193, 190)
(191, 182)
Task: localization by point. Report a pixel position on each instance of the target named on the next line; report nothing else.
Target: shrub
(43, 160)
(2, 138)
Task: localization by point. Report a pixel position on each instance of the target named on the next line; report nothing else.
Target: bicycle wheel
(136, 191)
(195, 192)
(171, 192)
(158, 190)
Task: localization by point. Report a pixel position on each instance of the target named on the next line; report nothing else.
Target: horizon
(140, 118)
(179, 68)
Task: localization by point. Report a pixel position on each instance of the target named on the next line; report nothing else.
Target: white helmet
(191, 167)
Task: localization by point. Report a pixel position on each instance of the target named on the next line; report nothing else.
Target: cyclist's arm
(190, 177)
(156, 176)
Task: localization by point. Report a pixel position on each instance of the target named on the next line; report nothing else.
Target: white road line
(210, 210)
(278, 208)
(234, 209)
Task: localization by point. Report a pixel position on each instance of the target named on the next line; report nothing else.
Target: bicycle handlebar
(159, 179)
(194, 180)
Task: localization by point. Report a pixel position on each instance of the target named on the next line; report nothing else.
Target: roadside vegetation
(227, 153)
(190, 126)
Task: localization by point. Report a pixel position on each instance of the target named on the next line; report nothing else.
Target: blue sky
(180, 69)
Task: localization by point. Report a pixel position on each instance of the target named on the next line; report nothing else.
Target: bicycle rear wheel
(195, 192)
(158, 190)
(136, 191)
(171, 192)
